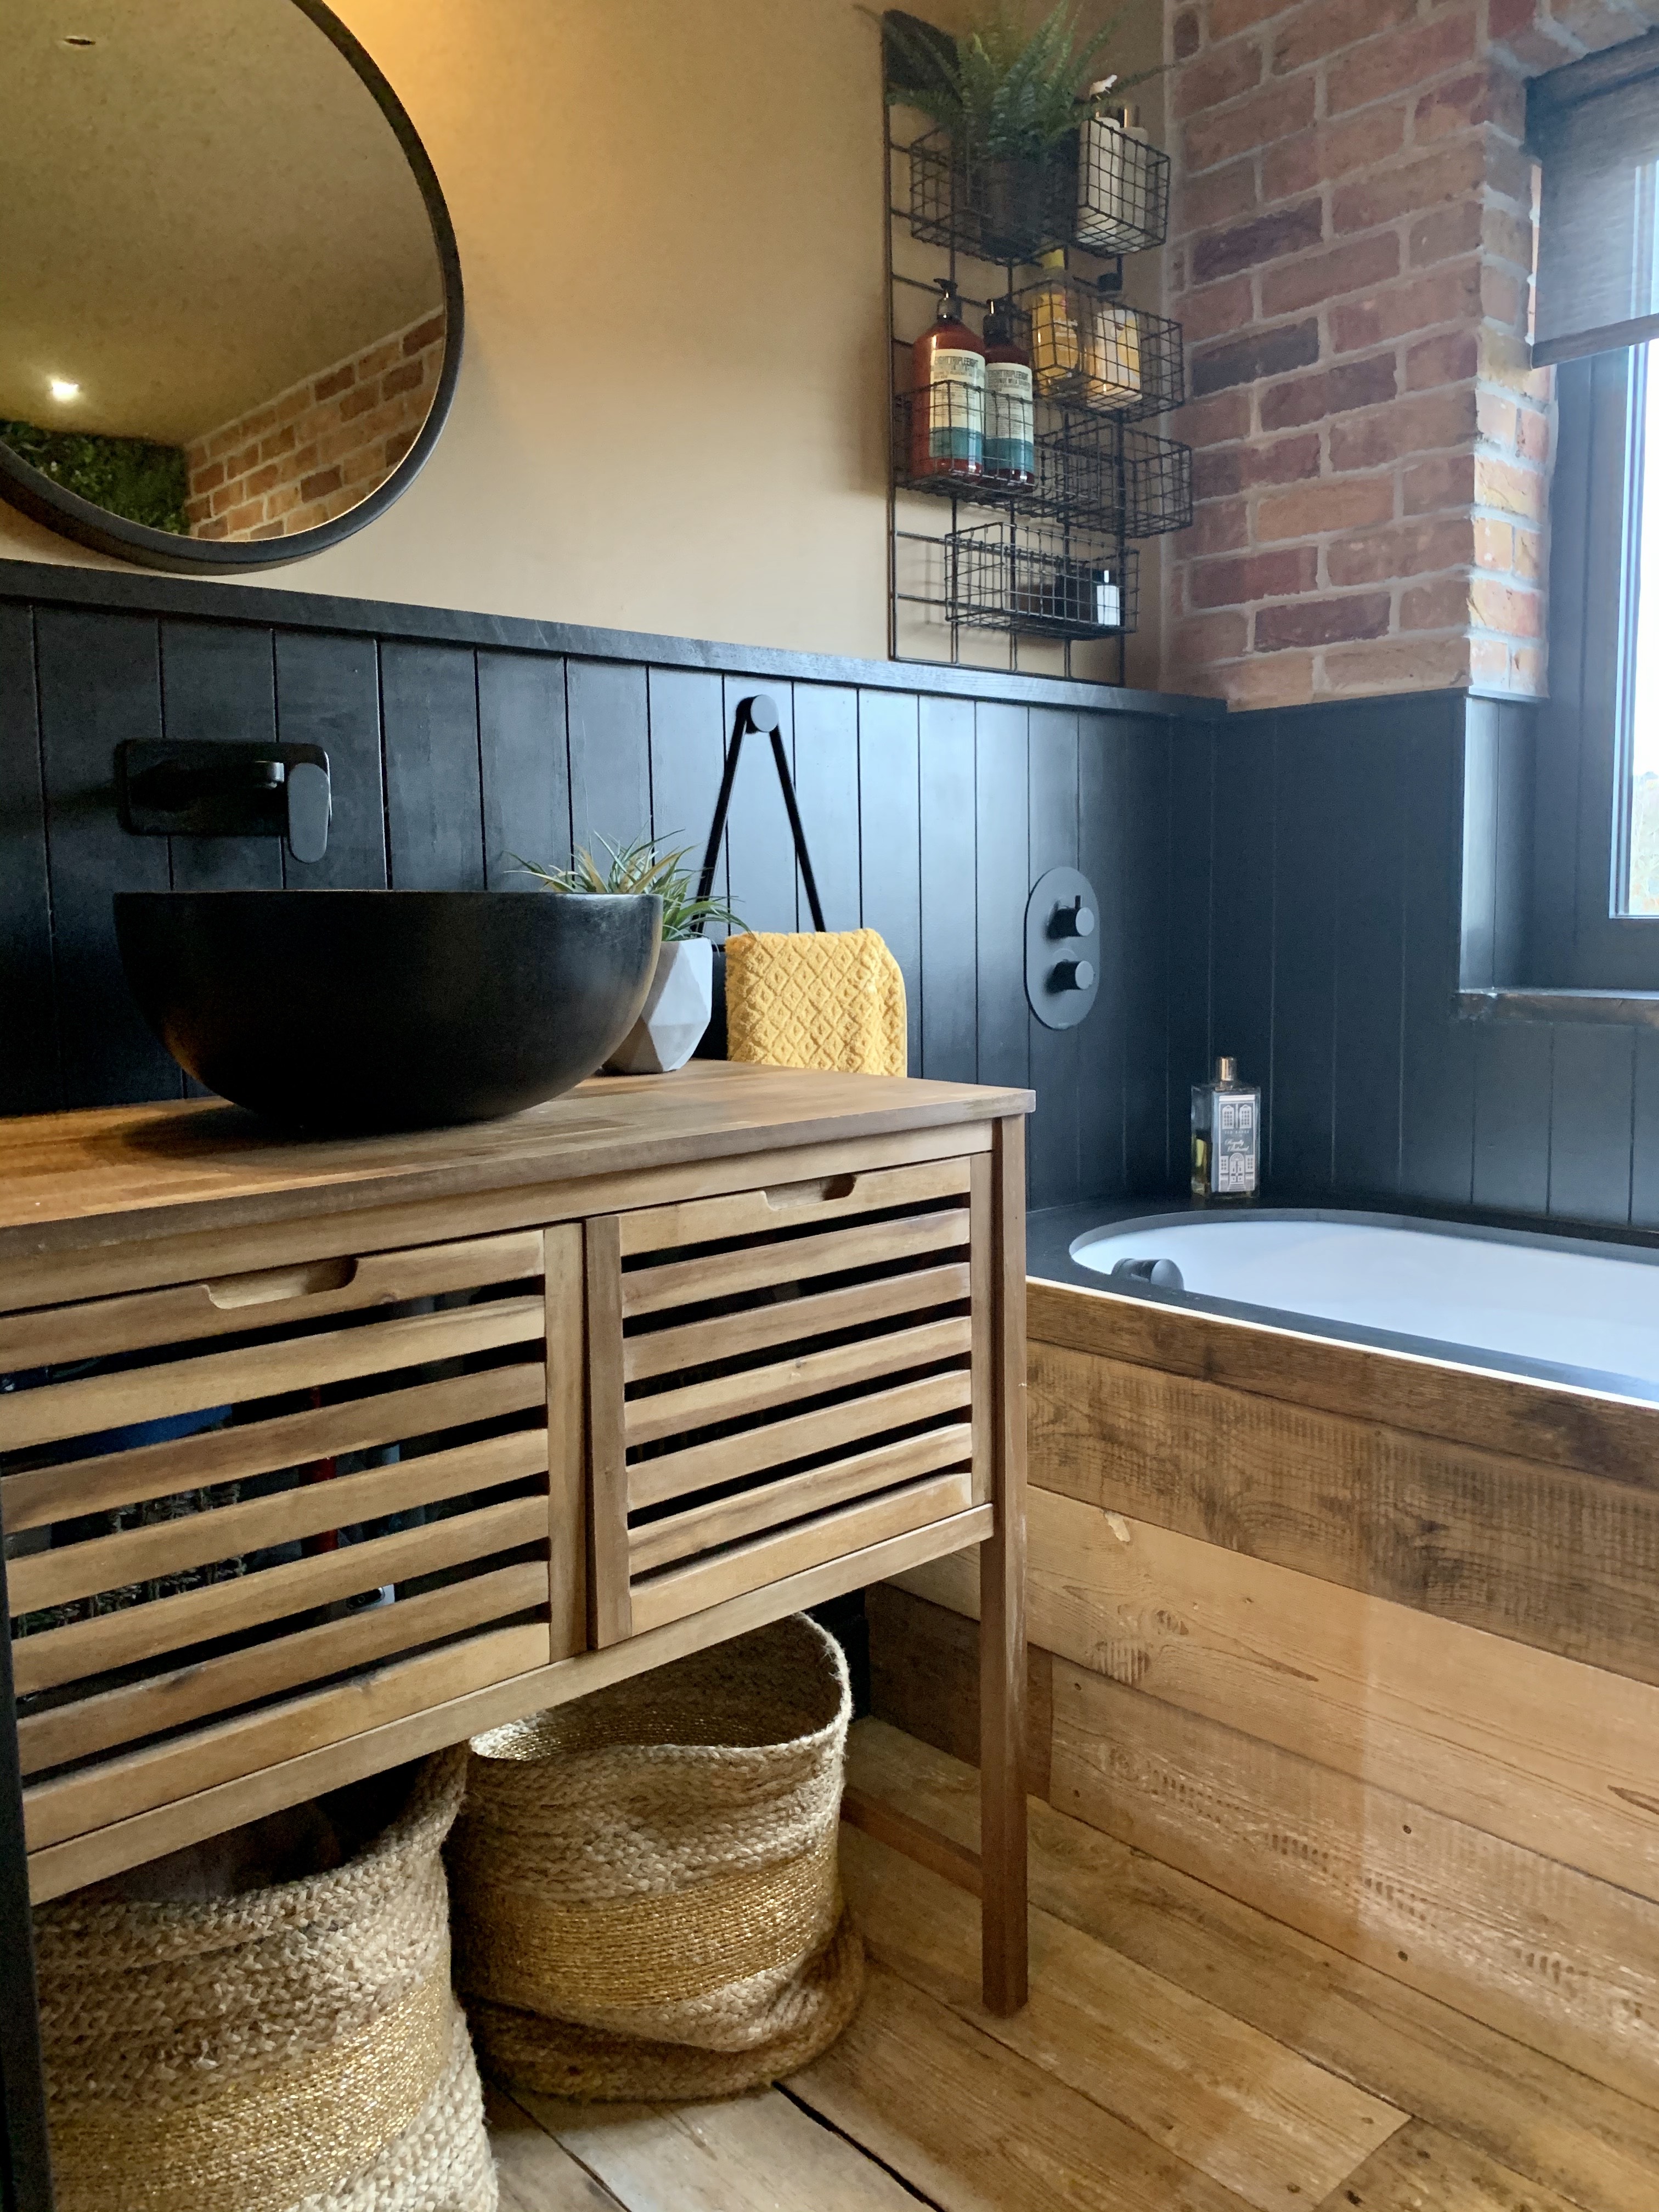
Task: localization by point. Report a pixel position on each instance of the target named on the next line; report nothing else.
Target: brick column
(1351, 244)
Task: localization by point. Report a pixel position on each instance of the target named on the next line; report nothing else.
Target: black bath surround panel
(932, 800)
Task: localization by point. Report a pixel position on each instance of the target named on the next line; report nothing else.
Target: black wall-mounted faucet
(196, 789)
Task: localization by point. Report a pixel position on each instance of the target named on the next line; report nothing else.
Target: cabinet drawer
(257, 1514)
(779, 1378)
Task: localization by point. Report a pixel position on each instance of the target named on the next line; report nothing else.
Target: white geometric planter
(676, 1011)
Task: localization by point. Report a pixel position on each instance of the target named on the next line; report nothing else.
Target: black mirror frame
(71, 516)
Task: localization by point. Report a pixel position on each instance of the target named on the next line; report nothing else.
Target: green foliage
(1001, 90)
(129, 476)
(631, 869)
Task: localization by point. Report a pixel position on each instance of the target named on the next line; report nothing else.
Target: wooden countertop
(68, 1180)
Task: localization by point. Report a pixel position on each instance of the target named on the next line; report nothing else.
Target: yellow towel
(835, 999)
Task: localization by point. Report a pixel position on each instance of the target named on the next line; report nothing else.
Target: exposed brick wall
(1350, 248)
(318, 448)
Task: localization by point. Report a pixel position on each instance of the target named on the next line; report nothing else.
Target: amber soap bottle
(947, 384)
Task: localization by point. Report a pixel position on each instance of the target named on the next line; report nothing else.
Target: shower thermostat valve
(1063, 948)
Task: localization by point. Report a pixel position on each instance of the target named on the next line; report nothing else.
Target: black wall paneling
(456, 743)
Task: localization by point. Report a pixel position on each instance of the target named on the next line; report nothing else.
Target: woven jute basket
(647, 1901)
(293, 2049)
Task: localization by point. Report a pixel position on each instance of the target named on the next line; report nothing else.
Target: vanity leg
(1002, 1607)
(25, 2151)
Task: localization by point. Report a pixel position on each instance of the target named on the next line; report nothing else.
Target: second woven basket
(647, 1898)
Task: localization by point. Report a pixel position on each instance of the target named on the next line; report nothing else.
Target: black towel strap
(760, 715)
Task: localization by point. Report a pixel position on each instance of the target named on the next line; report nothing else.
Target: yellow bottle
(1111, 361)
(1056, 352)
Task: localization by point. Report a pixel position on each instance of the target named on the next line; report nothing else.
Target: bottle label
(1009, 419)
(1235, 1155)
(956, 406)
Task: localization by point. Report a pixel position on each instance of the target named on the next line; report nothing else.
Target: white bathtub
(1539, 1302)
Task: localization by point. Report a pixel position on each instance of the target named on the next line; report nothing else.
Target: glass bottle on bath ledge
(1227, 1138)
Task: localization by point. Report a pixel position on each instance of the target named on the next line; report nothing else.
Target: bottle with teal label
(1010, 403)
(947, 387)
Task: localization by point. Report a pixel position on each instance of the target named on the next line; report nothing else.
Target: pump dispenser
(947, 386)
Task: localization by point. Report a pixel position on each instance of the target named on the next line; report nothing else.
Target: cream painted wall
(672, 413)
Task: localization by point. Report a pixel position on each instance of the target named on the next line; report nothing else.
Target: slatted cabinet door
(779, 1378)
(249, 1516)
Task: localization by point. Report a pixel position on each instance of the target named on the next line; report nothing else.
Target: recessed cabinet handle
(787, 1194)
(271, 1285)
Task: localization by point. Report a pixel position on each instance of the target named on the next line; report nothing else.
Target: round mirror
(230, 304)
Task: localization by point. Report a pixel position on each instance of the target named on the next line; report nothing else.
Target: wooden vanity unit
(588, 1389)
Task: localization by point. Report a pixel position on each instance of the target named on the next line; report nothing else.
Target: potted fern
(678, 1005)
(1009, 102)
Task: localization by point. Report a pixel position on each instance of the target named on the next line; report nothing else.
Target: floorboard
(1419, 2170)
(536, 2175)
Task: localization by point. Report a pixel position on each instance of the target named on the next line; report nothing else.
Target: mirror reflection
(222, 307)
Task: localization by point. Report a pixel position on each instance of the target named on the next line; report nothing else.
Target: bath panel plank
(949, 973)
(28, 1028)
(761, 2153)
(968, 2124)
(1564, 1561)
(1420, 2170)
(1368, 851)
(1594, 1071)
(1436, 1138)
(1055, 1053)
(758, 843)
(687, 710)
(1219, 2094)
(889, 830)
(607, 716)
(924, 1677)
(1536, 1950)
(1512, 1115)
(101, 684)
(1525, 2111)
(534, 2173)
(524, 757)
(1002, 835)
(328, 694)
(219, 683)
(827, 787)
(1556, 1757)
(434, 798)
(1309, 893)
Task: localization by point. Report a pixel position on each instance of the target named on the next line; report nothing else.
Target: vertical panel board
(524, 765)
(889, 830)
(686, 711)
(827, 786)
(610, 752)
(761, 852)
(1301, 1093)
(1477, 962)
(328, 694)
(950, 973)
(1145, 909)
(1591, 1115)
(1368, 851)
(1436, 1144)
(1055, 1138)
(1517, 790)
(100, 677)
(1512, 1083)
(434, 809)
(29, 1073)
(1241, 898)
(1644, 1133)
(219, 687)
(1002, 840)
(1189, 926)
(1103, 745)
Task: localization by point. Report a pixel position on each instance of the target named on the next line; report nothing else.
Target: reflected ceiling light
(63, 388)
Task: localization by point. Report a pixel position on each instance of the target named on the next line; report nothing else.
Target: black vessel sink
(387, 1010)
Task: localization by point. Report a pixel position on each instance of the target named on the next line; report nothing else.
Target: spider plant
(1002, 91)
(641, 866)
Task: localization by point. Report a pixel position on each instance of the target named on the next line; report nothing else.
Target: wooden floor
(1182, 2052)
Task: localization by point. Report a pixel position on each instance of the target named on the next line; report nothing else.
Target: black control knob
(1072, 976)
(1074, 920)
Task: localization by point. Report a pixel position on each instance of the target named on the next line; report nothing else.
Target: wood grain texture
(729, 1335)
(1257, 2117)
(724, 1274)
(1536, 1949)
(1549, 1754)
(533, 2173)
(1420, 2170)
(924, 1677)
(952, 1862)
(987, 2115)
(790, 1206)
(1524, 2111)
(566, 1307)
(1528, 1549)
(1002, 1714)
(610, 1615)
(760, 2153)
